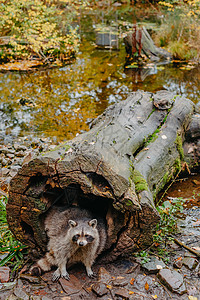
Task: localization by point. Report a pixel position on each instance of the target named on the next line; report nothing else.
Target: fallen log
(115, 169)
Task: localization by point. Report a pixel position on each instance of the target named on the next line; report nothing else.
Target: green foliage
(168, 223)
(164, 230)
(179, 31)
(9, 246)
(35, 28)
(144, 255)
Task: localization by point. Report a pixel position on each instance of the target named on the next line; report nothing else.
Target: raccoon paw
(65, 275)
(56, 275)
(91, 274)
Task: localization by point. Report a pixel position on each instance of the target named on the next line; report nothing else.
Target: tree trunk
(115, 169)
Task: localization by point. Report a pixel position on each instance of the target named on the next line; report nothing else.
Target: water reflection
(64, 100)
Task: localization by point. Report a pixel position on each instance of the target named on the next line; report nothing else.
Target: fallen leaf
(154, 296)
(197, 223)
(146, 286)
(197, 182)
(192, 298)
(179, 258)
(109, 287)
(132, 280)
(131, 292)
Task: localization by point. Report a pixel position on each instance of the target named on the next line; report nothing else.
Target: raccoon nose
(81, 244)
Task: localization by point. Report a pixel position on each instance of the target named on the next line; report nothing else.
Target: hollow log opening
(114, 170)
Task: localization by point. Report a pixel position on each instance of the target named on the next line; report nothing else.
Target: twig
(168, 187)
(165, 289)
(186, 247)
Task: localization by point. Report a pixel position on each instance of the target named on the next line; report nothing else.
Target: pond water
(60, 102)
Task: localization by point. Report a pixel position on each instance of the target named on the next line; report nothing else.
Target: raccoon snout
(83, 243)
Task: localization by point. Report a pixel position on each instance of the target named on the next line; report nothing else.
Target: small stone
(104, 276)
(4, 274)
(173, 280)
(10, 155)
(99, 289)
(124, 293)
(7, 151)
(120, 281)
(190, 262)
(4, 172)
(20, 154)
(4, 162)
(71, 286)
(178, 264)
(20, 293)
(154, 265)
(19, 147)
(30, 278)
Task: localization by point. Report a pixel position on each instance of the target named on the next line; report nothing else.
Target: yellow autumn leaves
(37, 29)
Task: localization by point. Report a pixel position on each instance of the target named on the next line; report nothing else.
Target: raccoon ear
(72, 223)
(93, 223)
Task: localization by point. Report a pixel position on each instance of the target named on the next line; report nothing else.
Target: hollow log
(140, 44)
(115, 170)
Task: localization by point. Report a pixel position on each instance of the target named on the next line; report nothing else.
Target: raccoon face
(83, 234)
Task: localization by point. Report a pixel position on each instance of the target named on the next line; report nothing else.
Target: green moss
(177, 165)
(179, 145)
(129, 203)
(139, 181)
(152, 137)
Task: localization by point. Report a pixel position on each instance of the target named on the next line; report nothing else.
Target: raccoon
(74, 236)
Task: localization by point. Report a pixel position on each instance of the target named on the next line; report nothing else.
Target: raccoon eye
(75, 238)
(89, 238)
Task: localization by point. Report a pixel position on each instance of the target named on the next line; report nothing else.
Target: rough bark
(139, 44)
(115, 169)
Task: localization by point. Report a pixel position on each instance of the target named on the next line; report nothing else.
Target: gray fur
(61, 226)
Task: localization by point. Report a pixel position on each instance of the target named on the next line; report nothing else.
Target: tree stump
(115, 169)
(140, 44)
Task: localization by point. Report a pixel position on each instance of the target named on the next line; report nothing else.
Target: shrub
(180, 29)
(35, 29)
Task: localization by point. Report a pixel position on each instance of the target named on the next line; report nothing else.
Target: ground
(127, 278)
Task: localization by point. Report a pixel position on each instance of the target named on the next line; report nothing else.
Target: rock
(4, 172)
(120, 281)
(104, 276)
(99, 289)
(190, 262)
(4, 274)
(71, 286)
(20, 293)
(178, 264)
(10, 155)
(20, 154)
(124, 293)
(4, 161)
(5, 150)
(154, 265)
(173, 280)
(13, 297)
(19, 147)
(30, 278)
